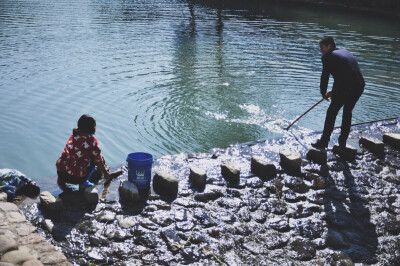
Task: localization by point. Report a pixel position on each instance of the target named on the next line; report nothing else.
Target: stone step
(318, 156)
(230, 172)
(198, 177)
(373, 145)
(165, 184)
(348, 153)
(262, 168)
(392, 139)
(129, 191)
(290, 160)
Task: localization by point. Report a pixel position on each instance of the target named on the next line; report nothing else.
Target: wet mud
(340, 213)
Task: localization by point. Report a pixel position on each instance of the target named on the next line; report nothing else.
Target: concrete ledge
(20, 244)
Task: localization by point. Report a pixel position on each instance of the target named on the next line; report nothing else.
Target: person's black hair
(87, 124)
(328, 40)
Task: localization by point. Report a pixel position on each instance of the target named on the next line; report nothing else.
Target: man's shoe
(320, 144)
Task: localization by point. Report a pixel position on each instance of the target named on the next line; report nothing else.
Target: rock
(16, 257)
(311, 229)
(302, 249)
(91, 195)
(7, 244)
(373, 145)
(8, 207)
(49, 202)
(48, 225)
(348, 153)
(198, 177)
(127, 222)
(244, 214)
(3, 196)
(296, 184)
(290, 161)
(230, 172)
(203, 218)
(15, 217)
(106, 216)
(392, 139)
(317, 155)
(276, 240)
(211, 193)
(389, 223)
(279, 224)
(129, 191)
(262, 168)
(171, 239)
(165, 184)
(33, 262)
(341, 259)
(98, 240)
(335, 240)
(318, 182)
(162, 218)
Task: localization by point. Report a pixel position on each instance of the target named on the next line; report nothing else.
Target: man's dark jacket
(345, 71)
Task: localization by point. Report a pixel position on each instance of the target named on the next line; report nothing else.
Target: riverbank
(384, 9)
(340, 212)
(388, 8)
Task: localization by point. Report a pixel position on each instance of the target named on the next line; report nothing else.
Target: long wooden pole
(304, 113)
(373, 121)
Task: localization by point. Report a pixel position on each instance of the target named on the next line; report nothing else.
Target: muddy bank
(343, 212)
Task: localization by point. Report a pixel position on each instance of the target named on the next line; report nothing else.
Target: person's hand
(327, 96)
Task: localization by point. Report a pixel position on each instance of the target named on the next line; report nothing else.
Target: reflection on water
(174, 76)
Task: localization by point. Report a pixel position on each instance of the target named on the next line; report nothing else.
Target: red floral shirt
(79, 152)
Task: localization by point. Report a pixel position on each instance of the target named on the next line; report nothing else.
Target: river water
(166, 77)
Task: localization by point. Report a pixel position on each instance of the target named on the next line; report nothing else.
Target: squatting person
(81, 161)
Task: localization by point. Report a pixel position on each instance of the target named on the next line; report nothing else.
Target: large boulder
(318, 156)
(392, 139)
(129, 191)
(262, 168)
(373, 145)
(290, 160)
(49, 202)
(165, 184)
(198, 177)
(230, 172)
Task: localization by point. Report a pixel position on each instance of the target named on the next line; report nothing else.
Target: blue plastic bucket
(139, 169)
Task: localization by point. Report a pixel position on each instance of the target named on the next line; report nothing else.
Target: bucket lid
(139, 156)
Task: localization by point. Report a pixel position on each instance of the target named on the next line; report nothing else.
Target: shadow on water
(350, 229)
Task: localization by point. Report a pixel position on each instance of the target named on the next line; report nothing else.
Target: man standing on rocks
(347, 88)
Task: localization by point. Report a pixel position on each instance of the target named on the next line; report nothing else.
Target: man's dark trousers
(338, 101)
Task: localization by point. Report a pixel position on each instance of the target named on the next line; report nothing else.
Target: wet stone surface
(339, 213)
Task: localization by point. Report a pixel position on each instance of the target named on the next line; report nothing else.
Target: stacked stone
(20, 244)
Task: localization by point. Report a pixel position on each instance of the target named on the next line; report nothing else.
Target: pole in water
(304, 113)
